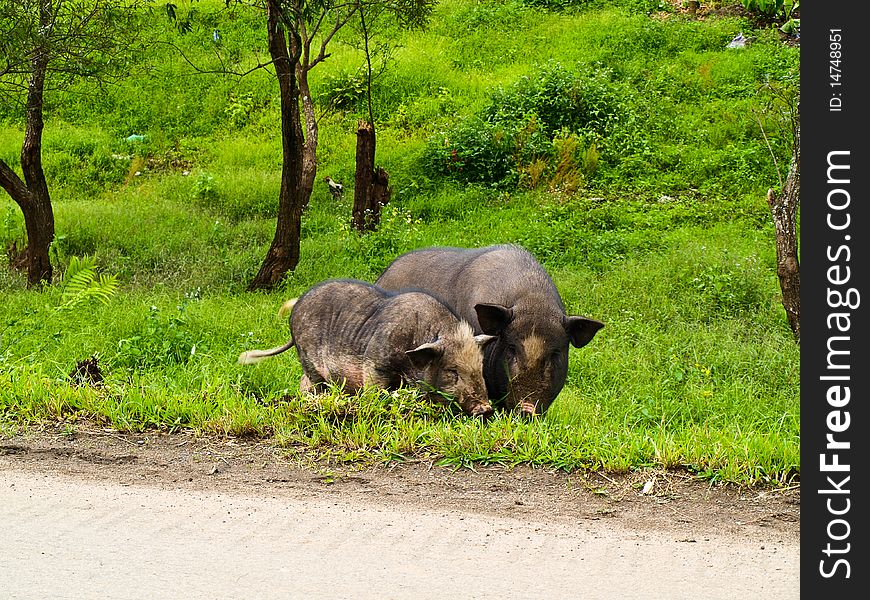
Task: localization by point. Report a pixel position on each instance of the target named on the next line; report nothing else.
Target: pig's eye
(510, 353)
(452, 374)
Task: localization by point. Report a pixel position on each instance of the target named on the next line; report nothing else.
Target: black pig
(502, 290)
(353, 333)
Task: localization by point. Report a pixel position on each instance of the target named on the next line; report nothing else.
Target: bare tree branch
(223, 70)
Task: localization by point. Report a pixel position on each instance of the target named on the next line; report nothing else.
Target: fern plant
(81, 283)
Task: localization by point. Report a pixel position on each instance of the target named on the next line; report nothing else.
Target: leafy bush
(560, 98)
(205, 190)
(344, 89)
(475, 150)
(240, 108)
(550, 126)
(162, 341)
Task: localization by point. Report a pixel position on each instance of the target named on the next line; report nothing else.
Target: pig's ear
(423, 355)
(493, 318)
(581, 330)
(483, 340)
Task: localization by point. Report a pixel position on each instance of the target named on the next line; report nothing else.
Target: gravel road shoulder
(411, 530)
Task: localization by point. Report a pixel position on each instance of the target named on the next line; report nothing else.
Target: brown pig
(502, 290)
(354, 334)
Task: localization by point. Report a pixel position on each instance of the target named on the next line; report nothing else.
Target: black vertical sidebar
(835, 299)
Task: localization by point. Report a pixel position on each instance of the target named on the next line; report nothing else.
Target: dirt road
(118, 517)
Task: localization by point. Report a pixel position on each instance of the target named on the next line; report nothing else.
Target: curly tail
(254, 356)
(287, 307)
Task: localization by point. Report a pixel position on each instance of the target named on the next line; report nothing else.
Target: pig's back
(500, 274)
(337, 317)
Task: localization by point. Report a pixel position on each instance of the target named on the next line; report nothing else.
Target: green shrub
(561, 99)
(473, 151)
(204, 189)
(344, 90)
(162, 341)
(397, 232)
(522, 131)
(240, 109)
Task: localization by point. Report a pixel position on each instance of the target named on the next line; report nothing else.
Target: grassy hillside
(622, 147)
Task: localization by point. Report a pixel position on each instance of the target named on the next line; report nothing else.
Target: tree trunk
(381, 194)
(371, 186)
(32, 195)
(283, 254)
(784, 209)
(365, 170)
(309, 153)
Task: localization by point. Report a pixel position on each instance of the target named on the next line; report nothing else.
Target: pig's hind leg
(313, 381)
(306, 387)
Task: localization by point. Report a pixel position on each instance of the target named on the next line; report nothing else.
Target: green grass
(668, 241)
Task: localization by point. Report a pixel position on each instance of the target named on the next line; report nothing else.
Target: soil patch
(649, 500)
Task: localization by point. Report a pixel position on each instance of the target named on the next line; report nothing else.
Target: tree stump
(371, 189)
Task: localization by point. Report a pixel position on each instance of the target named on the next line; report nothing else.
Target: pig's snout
(482, 410)
(527, 409)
